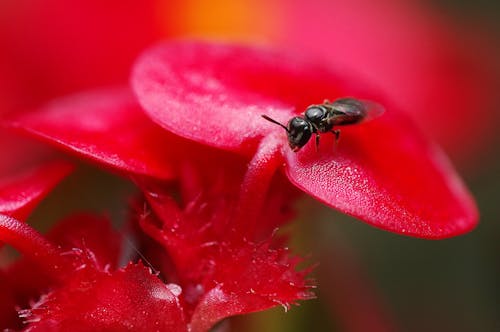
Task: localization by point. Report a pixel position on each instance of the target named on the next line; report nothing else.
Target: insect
(321, 118)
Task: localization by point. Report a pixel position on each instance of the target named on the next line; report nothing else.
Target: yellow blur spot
(238, 20)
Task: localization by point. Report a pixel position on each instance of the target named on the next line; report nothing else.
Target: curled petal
(104, 126)
(215, 94)
(386, 174)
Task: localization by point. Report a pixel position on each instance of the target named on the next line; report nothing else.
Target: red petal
(437, 70)
(129, 299)
(92, 233)
(223, 278)
(386, 174)
(81, 239)
(246, 279)
(215, 94)
(43, 260)
(22, 191)
(104, 126)
(33, 245)
(223, 273)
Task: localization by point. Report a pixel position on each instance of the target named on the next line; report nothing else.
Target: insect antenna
(274, 121)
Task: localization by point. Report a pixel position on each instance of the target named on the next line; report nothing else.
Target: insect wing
(371, 110)
(349, 111)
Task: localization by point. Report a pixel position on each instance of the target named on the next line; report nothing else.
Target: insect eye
(299, 132)
(315, 114)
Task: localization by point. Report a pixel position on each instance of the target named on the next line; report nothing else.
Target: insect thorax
(318, 116)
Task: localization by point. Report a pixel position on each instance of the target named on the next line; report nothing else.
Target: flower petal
(386, 174)
(128, 299)
(89, 232)
(22, 191)
(106, 126)
(81, 240)
(436, 69)
(383, 172)
(215, 93)
(222, 268)
(249, 278)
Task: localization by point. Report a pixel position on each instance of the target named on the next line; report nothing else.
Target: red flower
(85, 292)
(218, 270)
(220, 267)
(211, 214)
(223, 268)
(383, 172)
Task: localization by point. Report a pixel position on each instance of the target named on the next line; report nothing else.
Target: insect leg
(336, 132)
(317, 142)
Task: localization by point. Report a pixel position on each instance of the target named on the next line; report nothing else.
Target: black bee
(322, 118)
